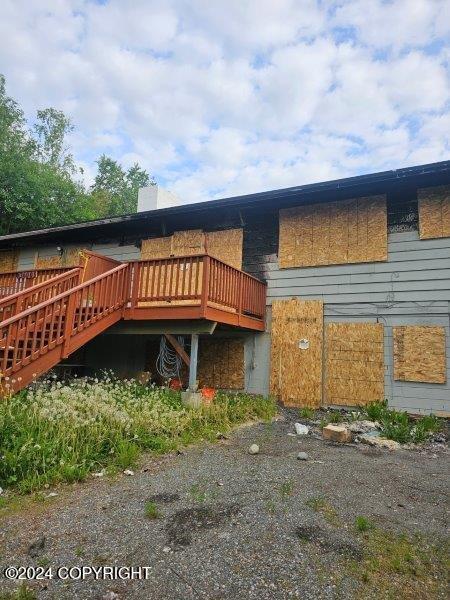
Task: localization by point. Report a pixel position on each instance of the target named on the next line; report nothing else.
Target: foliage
(306, 413)
(38, 176)
(56, 432)
(363, 524)
(151, 510)
(399, 426)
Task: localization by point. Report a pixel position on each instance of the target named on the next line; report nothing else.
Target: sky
(217, 98)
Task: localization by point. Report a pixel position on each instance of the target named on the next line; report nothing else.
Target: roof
(428, 174)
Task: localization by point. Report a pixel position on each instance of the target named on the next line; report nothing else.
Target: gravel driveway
(232, 525)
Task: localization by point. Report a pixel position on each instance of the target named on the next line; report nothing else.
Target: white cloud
(228, 98)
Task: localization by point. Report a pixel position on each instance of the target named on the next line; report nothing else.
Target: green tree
(51, 129)
(115, 191)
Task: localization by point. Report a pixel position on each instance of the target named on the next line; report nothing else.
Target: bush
(60, 432)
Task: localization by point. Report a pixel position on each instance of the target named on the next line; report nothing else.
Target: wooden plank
(179, 349)
(419, 353)
(352, 231)
(434, 212)
(296, 373)
(354, 363)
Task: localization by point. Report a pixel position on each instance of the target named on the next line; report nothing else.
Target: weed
(306, 413)
(286, 489)
(322, 506)
(54, 432)
(363, 524)
(198, 492)
(271, 507)
(21, 593)
(336, 417)
(79, 552)
(152, 511)
(399, 426)
(43, 561)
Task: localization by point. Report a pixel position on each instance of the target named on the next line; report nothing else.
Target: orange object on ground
(175, 384)
(208, 394)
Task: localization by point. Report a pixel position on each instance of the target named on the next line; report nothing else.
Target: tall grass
(57, 432)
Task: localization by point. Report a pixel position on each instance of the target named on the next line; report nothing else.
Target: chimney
(153, 197)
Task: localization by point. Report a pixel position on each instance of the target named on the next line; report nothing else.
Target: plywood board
(9, 260)
(226, 245)
(419, 353)
(221, 363)
(434, 212)
(71, 257)
(296, 373)
(354, 363)
(156, 248)
(351, 231)
(186, 243)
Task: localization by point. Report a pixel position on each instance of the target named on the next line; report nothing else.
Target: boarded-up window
(9, 260)
(354, 363)
(419, 353)
(221, 363)
(70, 257)
(296, 353)
(351, 231)
(226, 245)
(434, 212)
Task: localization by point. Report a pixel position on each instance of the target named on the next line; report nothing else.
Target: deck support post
(193, 363)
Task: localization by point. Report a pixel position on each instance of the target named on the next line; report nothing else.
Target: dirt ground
(230, 525)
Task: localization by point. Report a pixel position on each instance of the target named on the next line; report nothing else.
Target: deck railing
(17, 281)
(59, 320)
(199, 279)
(31, 296)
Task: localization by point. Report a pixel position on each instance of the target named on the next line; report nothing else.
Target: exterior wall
(412, 287)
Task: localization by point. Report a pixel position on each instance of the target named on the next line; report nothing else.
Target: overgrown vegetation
(399, 426)
(21, 593)
(59, 432)
(363, 524)
(401, 566)
(151, 510)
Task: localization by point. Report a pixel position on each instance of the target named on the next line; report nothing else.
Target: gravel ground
(232, 525)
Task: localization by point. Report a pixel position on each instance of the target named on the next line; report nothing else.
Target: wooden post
(193, 363)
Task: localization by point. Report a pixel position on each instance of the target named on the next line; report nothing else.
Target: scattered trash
(1, 491)
(36, 547)
(166, 549)
(220, 483)
(301, 429)
(362, 426)
(292, 434)
(379, 442)
(128, 472)
(99, 474)
(302, 456)
(336, 433)
(52, 494)
(254, 449)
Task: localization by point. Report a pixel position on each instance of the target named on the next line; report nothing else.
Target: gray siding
(411, 288)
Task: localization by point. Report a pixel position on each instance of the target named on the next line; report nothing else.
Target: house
(334, 293)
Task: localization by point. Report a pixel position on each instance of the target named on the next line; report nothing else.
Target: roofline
(248, 199)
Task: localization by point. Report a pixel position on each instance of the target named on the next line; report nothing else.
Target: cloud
(219, 99)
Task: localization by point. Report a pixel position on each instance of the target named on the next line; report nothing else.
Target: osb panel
(226, 245)
(354, 363)
(221, 363)
(434, 212)
(69, 258)
(156, 248)
(334, 233)
(186, 243)
(296, 374)
(9, 260)
(419, 353)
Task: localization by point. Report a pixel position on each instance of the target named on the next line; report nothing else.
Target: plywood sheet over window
(434, 212)
(9, 260)
(354, 363)
(70, 257)
(156, 248)
(296, 352)
(351, 231)
(419, 353)
(226, 245)
(221, 363)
